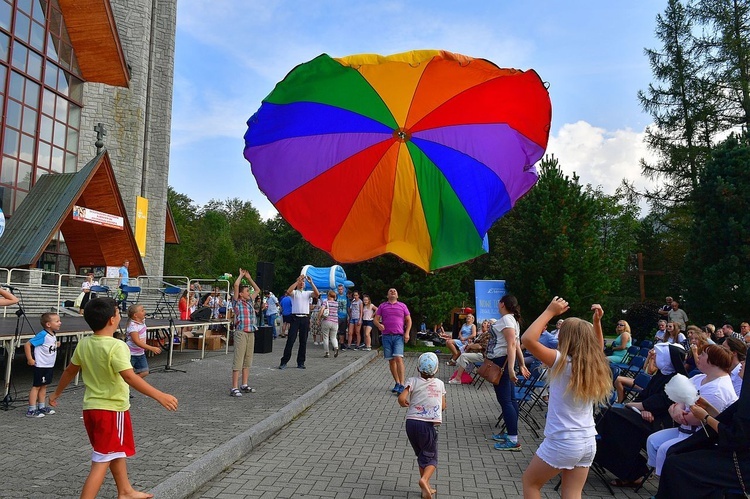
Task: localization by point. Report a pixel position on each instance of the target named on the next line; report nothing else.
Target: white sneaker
(454, 381)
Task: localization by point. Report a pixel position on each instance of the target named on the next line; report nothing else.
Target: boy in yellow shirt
(104, 363)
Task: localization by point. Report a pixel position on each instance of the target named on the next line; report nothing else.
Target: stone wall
(138, 118)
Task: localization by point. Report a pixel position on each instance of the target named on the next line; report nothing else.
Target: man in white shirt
(300, 320)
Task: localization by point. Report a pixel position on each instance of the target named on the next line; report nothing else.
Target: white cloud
(602, 158)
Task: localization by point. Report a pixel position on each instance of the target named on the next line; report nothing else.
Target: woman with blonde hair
(621, 344)
(580, 377)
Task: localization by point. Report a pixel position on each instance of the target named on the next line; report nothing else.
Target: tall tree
(726, 45)
(717, 273)
(561, 239)
(179, 258)
(682, 103)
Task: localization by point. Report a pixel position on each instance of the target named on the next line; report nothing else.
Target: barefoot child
(579, 378)
(45, 345)
(425, 398)
(136, 341)
(104, 363)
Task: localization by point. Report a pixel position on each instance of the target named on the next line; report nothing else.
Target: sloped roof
(49, 207)
(93, 33)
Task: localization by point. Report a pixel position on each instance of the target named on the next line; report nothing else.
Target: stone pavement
(351, 443)
(50, 457)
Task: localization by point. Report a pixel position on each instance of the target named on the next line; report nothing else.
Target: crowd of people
(592, 417)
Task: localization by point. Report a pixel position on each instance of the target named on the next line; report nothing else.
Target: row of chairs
(530, 396)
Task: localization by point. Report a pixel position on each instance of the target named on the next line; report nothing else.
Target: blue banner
(488, 294)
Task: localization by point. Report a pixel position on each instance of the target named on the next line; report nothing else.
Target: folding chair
(477, 379)
(127, 300)
(628, 357)
(165, 305)
(104, 290)
(639, 383)
(528, 394)
(647, 344)
(635, 367)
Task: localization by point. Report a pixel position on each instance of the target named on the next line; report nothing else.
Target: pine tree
(682, 103)
(717, 273)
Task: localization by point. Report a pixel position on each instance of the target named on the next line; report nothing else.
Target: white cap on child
(428, 363)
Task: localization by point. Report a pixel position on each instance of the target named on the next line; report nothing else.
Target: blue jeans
(506, 397)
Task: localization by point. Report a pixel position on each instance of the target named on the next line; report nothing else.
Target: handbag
(491, 372)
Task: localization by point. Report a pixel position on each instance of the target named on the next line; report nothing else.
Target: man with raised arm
(300, 320)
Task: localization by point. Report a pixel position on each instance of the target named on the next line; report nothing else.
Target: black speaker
(201, 314)
(263, 340)
(264, 275)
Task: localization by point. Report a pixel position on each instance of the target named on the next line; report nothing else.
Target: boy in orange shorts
(104, 363)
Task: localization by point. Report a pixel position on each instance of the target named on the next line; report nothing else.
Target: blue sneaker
(508, 445)
(395, 388)
(500, 437)
(401, 388)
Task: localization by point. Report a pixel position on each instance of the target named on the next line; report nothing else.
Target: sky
(231, 53)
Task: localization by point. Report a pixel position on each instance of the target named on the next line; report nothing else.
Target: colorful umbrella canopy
(415, 154)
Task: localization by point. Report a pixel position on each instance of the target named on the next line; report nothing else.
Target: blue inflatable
(326, 278)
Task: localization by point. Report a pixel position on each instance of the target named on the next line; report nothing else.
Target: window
(42, 107)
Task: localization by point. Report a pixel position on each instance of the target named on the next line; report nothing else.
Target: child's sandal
(235, 392)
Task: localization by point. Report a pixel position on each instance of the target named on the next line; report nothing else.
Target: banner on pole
(141, 223)
(488, 294)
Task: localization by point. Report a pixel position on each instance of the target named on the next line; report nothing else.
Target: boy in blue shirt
(45, 345)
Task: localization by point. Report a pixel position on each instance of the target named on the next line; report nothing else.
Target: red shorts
(110, 434)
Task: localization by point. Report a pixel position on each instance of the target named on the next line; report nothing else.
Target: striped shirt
(333, 311)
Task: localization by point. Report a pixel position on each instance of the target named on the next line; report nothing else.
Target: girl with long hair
(579, 378)
(368, 312)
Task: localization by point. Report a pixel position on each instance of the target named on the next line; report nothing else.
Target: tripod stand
(171, 334)
(15, 342)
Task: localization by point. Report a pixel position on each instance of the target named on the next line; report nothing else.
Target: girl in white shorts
(579, 378)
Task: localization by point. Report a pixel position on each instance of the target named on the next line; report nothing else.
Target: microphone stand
(168, 366)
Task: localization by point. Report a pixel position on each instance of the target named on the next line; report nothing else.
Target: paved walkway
(351, 443)
(50, 457)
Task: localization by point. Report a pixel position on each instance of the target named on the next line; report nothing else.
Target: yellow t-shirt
(101, 359)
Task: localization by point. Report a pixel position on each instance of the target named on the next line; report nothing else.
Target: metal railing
(151, 286)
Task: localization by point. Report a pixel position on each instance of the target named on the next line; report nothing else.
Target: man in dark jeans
(300, 320)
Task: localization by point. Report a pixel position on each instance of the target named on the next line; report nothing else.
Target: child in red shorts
(104, 363)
